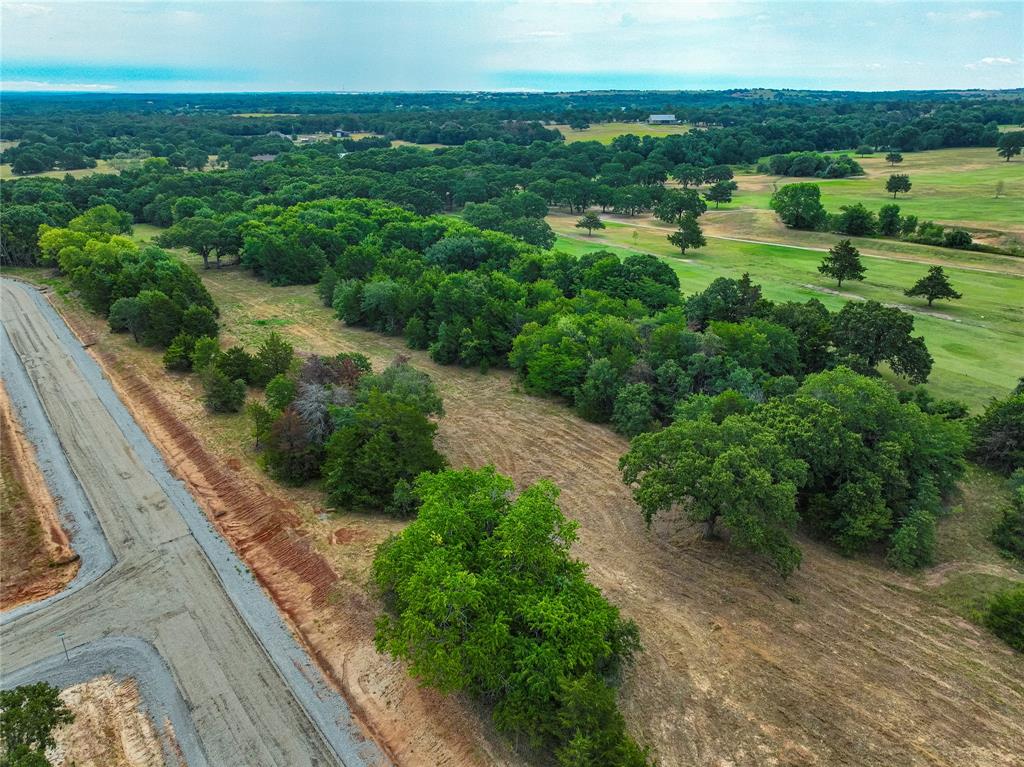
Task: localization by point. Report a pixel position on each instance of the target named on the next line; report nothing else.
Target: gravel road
(170, 582)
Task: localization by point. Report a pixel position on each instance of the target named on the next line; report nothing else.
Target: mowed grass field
(951, 186)
(102, 166)
(605, 132)
(976, 342)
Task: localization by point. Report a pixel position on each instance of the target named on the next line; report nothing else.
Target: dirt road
(173, 584)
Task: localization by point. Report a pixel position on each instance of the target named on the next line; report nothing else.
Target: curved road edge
(324, 706)
(123, 658)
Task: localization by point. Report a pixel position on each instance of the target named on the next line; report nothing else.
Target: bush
(204, 353)
(273, 357)
(237, 364)
(1005, 617)
(632, 413)
(199, 321)
(222, 394)
(1008, 534)
(388, 440)
(179, 354)
(913, 544)
(998, 440)
(957, 238)
(280, 391)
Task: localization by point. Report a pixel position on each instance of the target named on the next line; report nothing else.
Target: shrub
(179, 354)
(204, 353)
(199, 321)
(222, 394)
(388, 440)
(1005, 617)
(273, 357)
(957, 238)
(913, 544)
(1008, 534)
(280, 391)
(998, 440)
(237, 364)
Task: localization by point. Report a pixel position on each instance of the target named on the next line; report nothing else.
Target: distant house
(662, 120)
(339, 133)
(264, 157)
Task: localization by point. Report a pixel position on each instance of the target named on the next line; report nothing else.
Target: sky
(241, 45)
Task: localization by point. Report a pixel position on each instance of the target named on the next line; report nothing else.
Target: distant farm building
(339, 133)
(663, 120)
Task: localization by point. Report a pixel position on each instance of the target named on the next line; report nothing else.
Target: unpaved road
(172, 583)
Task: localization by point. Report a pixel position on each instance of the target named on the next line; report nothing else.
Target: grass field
(102, 166)
(951, 186)
(605, 132)
(964, 337)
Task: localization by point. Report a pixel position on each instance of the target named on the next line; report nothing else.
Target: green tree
(998, 439)
(898, 182)
(28, 716)
(842, 262)
(388, 440)
(733, 473)
(179, 354)
(280, 391)
(221, 394)
(199, 321)
(894, 158)
(273, 357)
(484, 597)
(855, 220)
(1005, 617)
(689, 234)
(1010, 144)
(676, 203)
(205, 353)
(721, 191)
(632, 412)
(889, 220)
(934, 285)
(877, 333)
(595, 397)
(590, 221)
(957, 238)
(799, 206)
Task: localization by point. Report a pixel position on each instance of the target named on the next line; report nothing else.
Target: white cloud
(36, 85)
(25, 10)
(961, 16)
(992, 61)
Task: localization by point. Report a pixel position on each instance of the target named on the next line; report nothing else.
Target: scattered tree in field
(484, 597)
(28, 716)
(898, 182)
(854, 220)
(864, 149)
(688, 175)
(676, 203)
(1010, 144)
(875, 333)
(998, 440)
(935, 285)
(590, 221)
(689, 234)
(1005, 617)
(733, 473)
(894, 158)
(842, 262)
(799, 206)
(721, 191)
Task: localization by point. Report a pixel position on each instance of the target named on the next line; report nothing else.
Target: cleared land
(102, 166)
(963, 336)
(37, 558)
(848, 663)
(111, 728)
(956, 187)
(605, 132)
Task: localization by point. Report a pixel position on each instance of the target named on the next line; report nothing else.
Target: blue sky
(495, 45)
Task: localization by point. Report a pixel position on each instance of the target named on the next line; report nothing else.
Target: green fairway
(964, 337)
(605, 132)
(952, 186)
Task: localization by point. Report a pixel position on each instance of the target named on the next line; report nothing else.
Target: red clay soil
(36, 558)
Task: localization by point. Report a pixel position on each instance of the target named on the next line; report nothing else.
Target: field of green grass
(952, 186)
(605, 132)
(976, 342)
(102, 166)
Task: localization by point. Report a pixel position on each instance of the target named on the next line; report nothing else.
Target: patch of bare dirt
(844, 664)
(110, 729)
(37, 558)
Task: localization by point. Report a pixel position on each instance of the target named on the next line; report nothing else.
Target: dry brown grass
(847, 663)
